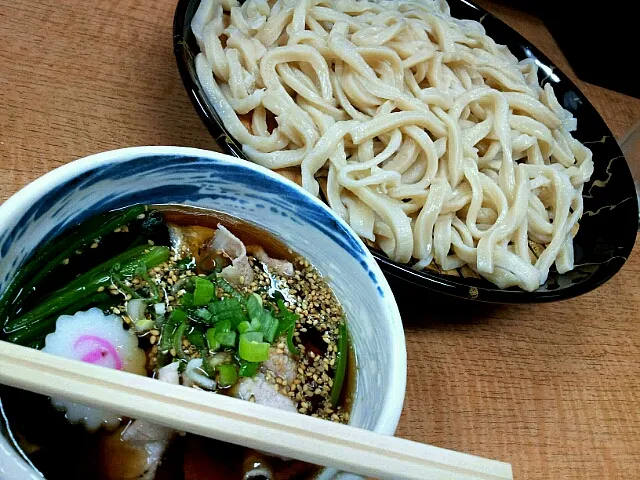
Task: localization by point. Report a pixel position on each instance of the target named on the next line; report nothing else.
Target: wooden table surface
(553, 389)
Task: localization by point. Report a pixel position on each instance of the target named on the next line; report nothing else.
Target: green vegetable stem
(48, 257)
(75, 293)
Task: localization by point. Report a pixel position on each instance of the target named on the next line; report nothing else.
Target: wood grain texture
(553, 389)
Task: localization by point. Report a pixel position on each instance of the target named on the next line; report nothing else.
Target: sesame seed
(100, 289)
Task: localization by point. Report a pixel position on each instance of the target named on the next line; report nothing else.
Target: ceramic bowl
(160, 175)
(607, 229)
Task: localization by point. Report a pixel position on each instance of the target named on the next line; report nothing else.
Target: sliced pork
(142, 442)
(279, 267)
(260, 390)
(240, 271)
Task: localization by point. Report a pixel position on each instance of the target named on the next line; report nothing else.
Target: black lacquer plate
(607, 230)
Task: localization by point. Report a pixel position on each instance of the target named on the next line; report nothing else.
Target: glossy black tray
(607, 230)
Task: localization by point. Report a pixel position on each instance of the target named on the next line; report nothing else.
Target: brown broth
(64, 451)
(245, 231)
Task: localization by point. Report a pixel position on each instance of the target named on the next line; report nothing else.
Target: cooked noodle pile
(429, 139)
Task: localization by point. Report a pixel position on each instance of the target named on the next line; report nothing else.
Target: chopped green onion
(196, 338)
(227, 339)
(248, 369)
(253, 337)
(227, 375)
(211, 362)
(203, 314)
(228, 289)
(227, 309)
(341, 364)
(221, 335)
(244, 326)
(256, 325)
(142, 273)
(211, 339)
(261, 319)
(187, 300)
(177, 339)
(254, 306)
(286, 318)
(144, 325)
(176, 318)
(287, 324)
(269, 326)
(223, 326)
(203, 292)
(186, 263)
(290, 345)
(252, 348)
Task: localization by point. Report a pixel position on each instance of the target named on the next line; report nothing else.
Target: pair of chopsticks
(236, 421)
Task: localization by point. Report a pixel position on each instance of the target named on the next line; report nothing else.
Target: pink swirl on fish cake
(102, 349)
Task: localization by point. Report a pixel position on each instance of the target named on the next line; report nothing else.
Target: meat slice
(279, 267)
(169, 373)
(258, 389)
(142, 442)
(151, 439)
(282, 365)
(191, 239)
(240, 271)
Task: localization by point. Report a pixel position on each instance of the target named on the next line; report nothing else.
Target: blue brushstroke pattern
(186, 182)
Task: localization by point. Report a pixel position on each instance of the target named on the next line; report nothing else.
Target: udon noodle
(428, 138)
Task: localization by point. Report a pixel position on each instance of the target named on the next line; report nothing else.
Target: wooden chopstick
(236, 421)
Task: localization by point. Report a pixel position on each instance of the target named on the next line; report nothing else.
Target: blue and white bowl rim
(26, 202)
